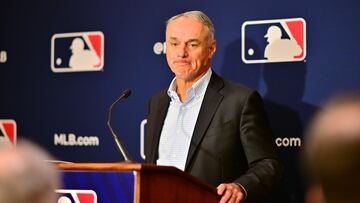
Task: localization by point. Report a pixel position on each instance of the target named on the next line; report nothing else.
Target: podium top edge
(142, 168)
(106, 166)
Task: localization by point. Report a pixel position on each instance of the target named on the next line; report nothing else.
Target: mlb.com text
(71, 139)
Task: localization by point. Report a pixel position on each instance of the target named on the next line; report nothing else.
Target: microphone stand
(118, 143)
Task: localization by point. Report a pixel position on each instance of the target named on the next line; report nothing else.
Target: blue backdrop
(67, 112)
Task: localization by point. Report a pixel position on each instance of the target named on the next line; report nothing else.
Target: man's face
(188, 51)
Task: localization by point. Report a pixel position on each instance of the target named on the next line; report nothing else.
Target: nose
(182, 51)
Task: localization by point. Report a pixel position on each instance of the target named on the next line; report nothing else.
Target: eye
(173, 44)
(194, 45)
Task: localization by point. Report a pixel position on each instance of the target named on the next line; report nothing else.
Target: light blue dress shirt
(180, 122)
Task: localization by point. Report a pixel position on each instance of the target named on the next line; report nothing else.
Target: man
(332, 152)
(24, 175)
(211, 128)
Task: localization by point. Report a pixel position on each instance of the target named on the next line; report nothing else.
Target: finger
(221, 188)
(226, 197)
(239, 197)
(232, 198)
(239, 194)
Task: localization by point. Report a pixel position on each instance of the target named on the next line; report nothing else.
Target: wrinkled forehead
(185, 26)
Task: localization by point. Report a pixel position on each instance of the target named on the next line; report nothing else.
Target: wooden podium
(131, 182)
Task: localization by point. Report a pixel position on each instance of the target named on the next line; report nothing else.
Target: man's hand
(231, 193)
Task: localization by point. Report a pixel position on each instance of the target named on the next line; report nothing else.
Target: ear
(212, 49)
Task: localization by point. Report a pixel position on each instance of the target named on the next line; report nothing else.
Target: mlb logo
(8, 131)
(268, 41)
(76, 196)
(76, 52)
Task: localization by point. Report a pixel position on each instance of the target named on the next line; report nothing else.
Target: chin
(185, 77)
(182, 70)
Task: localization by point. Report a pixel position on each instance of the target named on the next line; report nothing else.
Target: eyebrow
(174, 38)
(188, 41)
(193, 40)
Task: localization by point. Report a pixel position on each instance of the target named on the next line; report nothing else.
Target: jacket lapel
(159, 117)
(208, 108)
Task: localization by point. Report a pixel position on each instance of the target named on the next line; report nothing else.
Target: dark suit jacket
(232, 140)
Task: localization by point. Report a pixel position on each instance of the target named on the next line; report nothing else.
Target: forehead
(186, 28)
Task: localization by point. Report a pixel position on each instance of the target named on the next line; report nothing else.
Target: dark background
(44, 103)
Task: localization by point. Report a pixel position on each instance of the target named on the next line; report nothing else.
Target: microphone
(126, 93)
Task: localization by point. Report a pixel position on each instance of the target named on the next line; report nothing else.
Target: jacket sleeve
(265, 168)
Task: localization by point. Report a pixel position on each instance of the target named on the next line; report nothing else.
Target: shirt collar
(197, 89)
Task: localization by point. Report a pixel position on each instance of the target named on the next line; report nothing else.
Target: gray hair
(198, 16)
(24, 175)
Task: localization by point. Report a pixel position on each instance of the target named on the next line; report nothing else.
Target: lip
(182, 62)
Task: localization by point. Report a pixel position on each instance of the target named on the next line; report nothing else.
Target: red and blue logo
(76, 52)
(76, 196)
(8, 131)
(269, 41)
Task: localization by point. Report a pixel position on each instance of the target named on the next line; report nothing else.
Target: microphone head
(126, 93)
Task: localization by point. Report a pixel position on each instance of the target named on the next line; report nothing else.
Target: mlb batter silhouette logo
(8, 131)
(74, 52)
(76, 196)
(268, 41)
